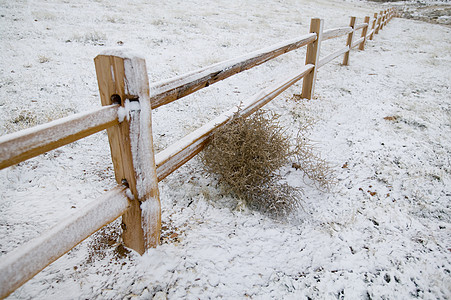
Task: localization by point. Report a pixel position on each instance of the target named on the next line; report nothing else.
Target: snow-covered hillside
(384, 122)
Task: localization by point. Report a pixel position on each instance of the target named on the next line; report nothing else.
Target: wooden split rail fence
(126, 115)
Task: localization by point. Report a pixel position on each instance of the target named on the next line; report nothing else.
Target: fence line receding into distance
(126, 115)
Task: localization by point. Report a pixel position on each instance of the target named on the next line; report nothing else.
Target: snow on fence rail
(126, 115)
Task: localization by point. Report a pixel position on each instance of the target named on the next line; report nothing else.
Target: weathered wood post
(349, 41)
(384, 16)
(122, 78)
(378, 27)
(312, 57)
(364, 31)
(373, 27)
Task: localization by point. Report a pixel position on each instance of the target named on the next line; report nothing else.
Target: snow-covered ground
(384, 122)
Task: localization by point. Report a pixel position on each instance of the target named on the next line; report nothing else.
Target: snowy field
(384, 123)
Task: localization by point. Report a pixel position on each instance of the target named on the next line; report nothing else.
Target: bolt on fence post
(349, 41)
(123, 79)
(364, 31)
(312, 57)
(373, 26)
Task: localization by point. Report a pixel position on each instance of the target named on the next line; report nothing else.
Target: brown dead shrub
(247, 154)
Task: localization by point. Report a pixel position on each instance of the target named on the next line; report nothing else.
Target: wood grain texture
(28, 143)
(179, 87)
(106, 68)
(124, 77)
(312, 57)
(21, 264)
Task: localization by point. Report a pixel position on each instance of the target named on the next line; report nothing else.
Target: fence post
(122, 78)
(379, 22)
(312, 57)
(364, 31)
(384, 16)
(349, 41)
(373, 26)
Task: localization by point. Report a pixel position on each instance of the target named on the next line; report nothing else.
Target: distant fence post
(123, 79)
(312, 57)
(378, 23)
(364, 31)
(349, 41)
(373, 27)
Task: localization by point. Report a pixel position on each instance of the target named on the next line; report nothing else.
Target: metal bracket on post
(312, 57)
(349, 41)
(123, 79)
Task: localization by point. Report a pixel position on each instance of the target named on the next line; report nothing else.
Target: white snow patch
(124, 111)
(382, 233)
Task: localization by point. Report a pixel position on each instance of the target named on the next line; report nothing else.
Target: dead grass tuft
(309, 161)
(246, 151)
(106, 243)
(247, 154)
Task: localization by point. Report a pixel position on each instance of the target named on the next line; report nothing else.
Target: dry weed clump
(310, 162)
(247, 154)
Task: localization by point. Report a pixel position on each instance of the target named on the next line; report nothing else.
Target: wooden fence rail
(167, 91)
(126, 115)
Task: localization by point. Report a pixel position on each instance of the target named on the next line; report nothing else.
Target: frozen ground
(436, 12)
(384, 122)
